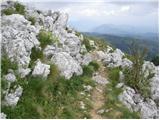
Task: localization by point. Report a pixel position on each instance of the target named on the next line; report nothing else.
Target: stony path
(98, 101)
(98, 98)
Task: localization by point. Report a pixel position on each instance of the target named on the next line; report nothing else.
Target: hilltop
(49, 70)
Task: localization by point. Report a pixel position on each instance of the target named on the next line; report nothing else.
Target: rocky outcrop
(66, 64)
(41, 69)
(152, 72)
(3, 116)
(116, 59)
(135, 102)
(11, 99)
(18, 38)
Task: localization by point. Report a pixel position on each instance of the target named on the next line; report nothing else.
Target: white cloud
(125, 8)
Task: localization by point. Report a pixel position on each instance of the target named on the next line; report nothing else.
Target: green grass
(35, 54)
(32, 20)
(114, 75)
(7, 64)
(116, 109)
(47, 38)
(18, 9)
(55, 97)
(99, 42)
(89, 69)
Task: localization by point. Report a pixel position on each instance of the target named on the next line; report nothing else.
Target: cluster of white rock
(148, 107)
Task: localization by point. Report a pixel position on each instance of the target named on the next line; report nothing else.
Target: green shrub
(87, 44)
(32, 20)
(20, 9)
(155, 60)
(89, 69)
(134, 77)
(47, 38)
(35, 54)
(8, 11)
(116, 109)
(95, 65)
(114, 75)
(7, 64)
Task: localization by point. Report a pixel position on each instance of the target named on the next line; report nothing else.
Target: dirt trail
(98, 101)
(98, 96)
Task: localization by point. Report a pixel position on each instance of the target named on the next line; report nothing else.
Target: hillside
(124, 43)
(51, 71)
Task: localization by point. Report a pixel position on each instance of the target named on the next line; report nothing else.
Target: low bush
(46, 38)
(17, 9)
(116, 110)
(20, 9)
(89, 69)
(35, 54)
(135, 77)
(114, 75)
(155, 60)
(7, 64)
(8, 11)
(32, 20)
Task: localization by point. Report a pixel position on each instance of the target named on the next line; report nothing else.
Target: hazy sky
(87, 14)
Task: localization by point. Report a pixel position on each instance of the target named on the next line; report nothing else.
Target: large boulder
(66, 64)
(18, 38)
(116, 59)
(41, 69)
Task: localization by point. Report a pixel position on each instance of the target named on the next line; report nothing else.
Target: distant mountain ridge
(123, 43)
(127, 31)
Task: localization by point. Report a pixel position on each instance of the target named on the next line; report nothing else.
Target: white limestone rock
(87, 88)
(87, 58)
(121, 76)
(41, 69)
(18, 38)
(148, 110)
(10, 77)
(83, 49)
(116, 59)
(11, 99)
(3, 116)
(100, 80)
(23, 72)
(119, 85)
(100, 55)
(66, 64)
(135, 102)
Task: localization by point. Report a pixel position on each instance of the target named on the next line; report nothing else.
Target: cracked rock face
(41, 69)
(11, 99)
(66, 64)
(18, 38)
(135, 102)
(115, 59)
